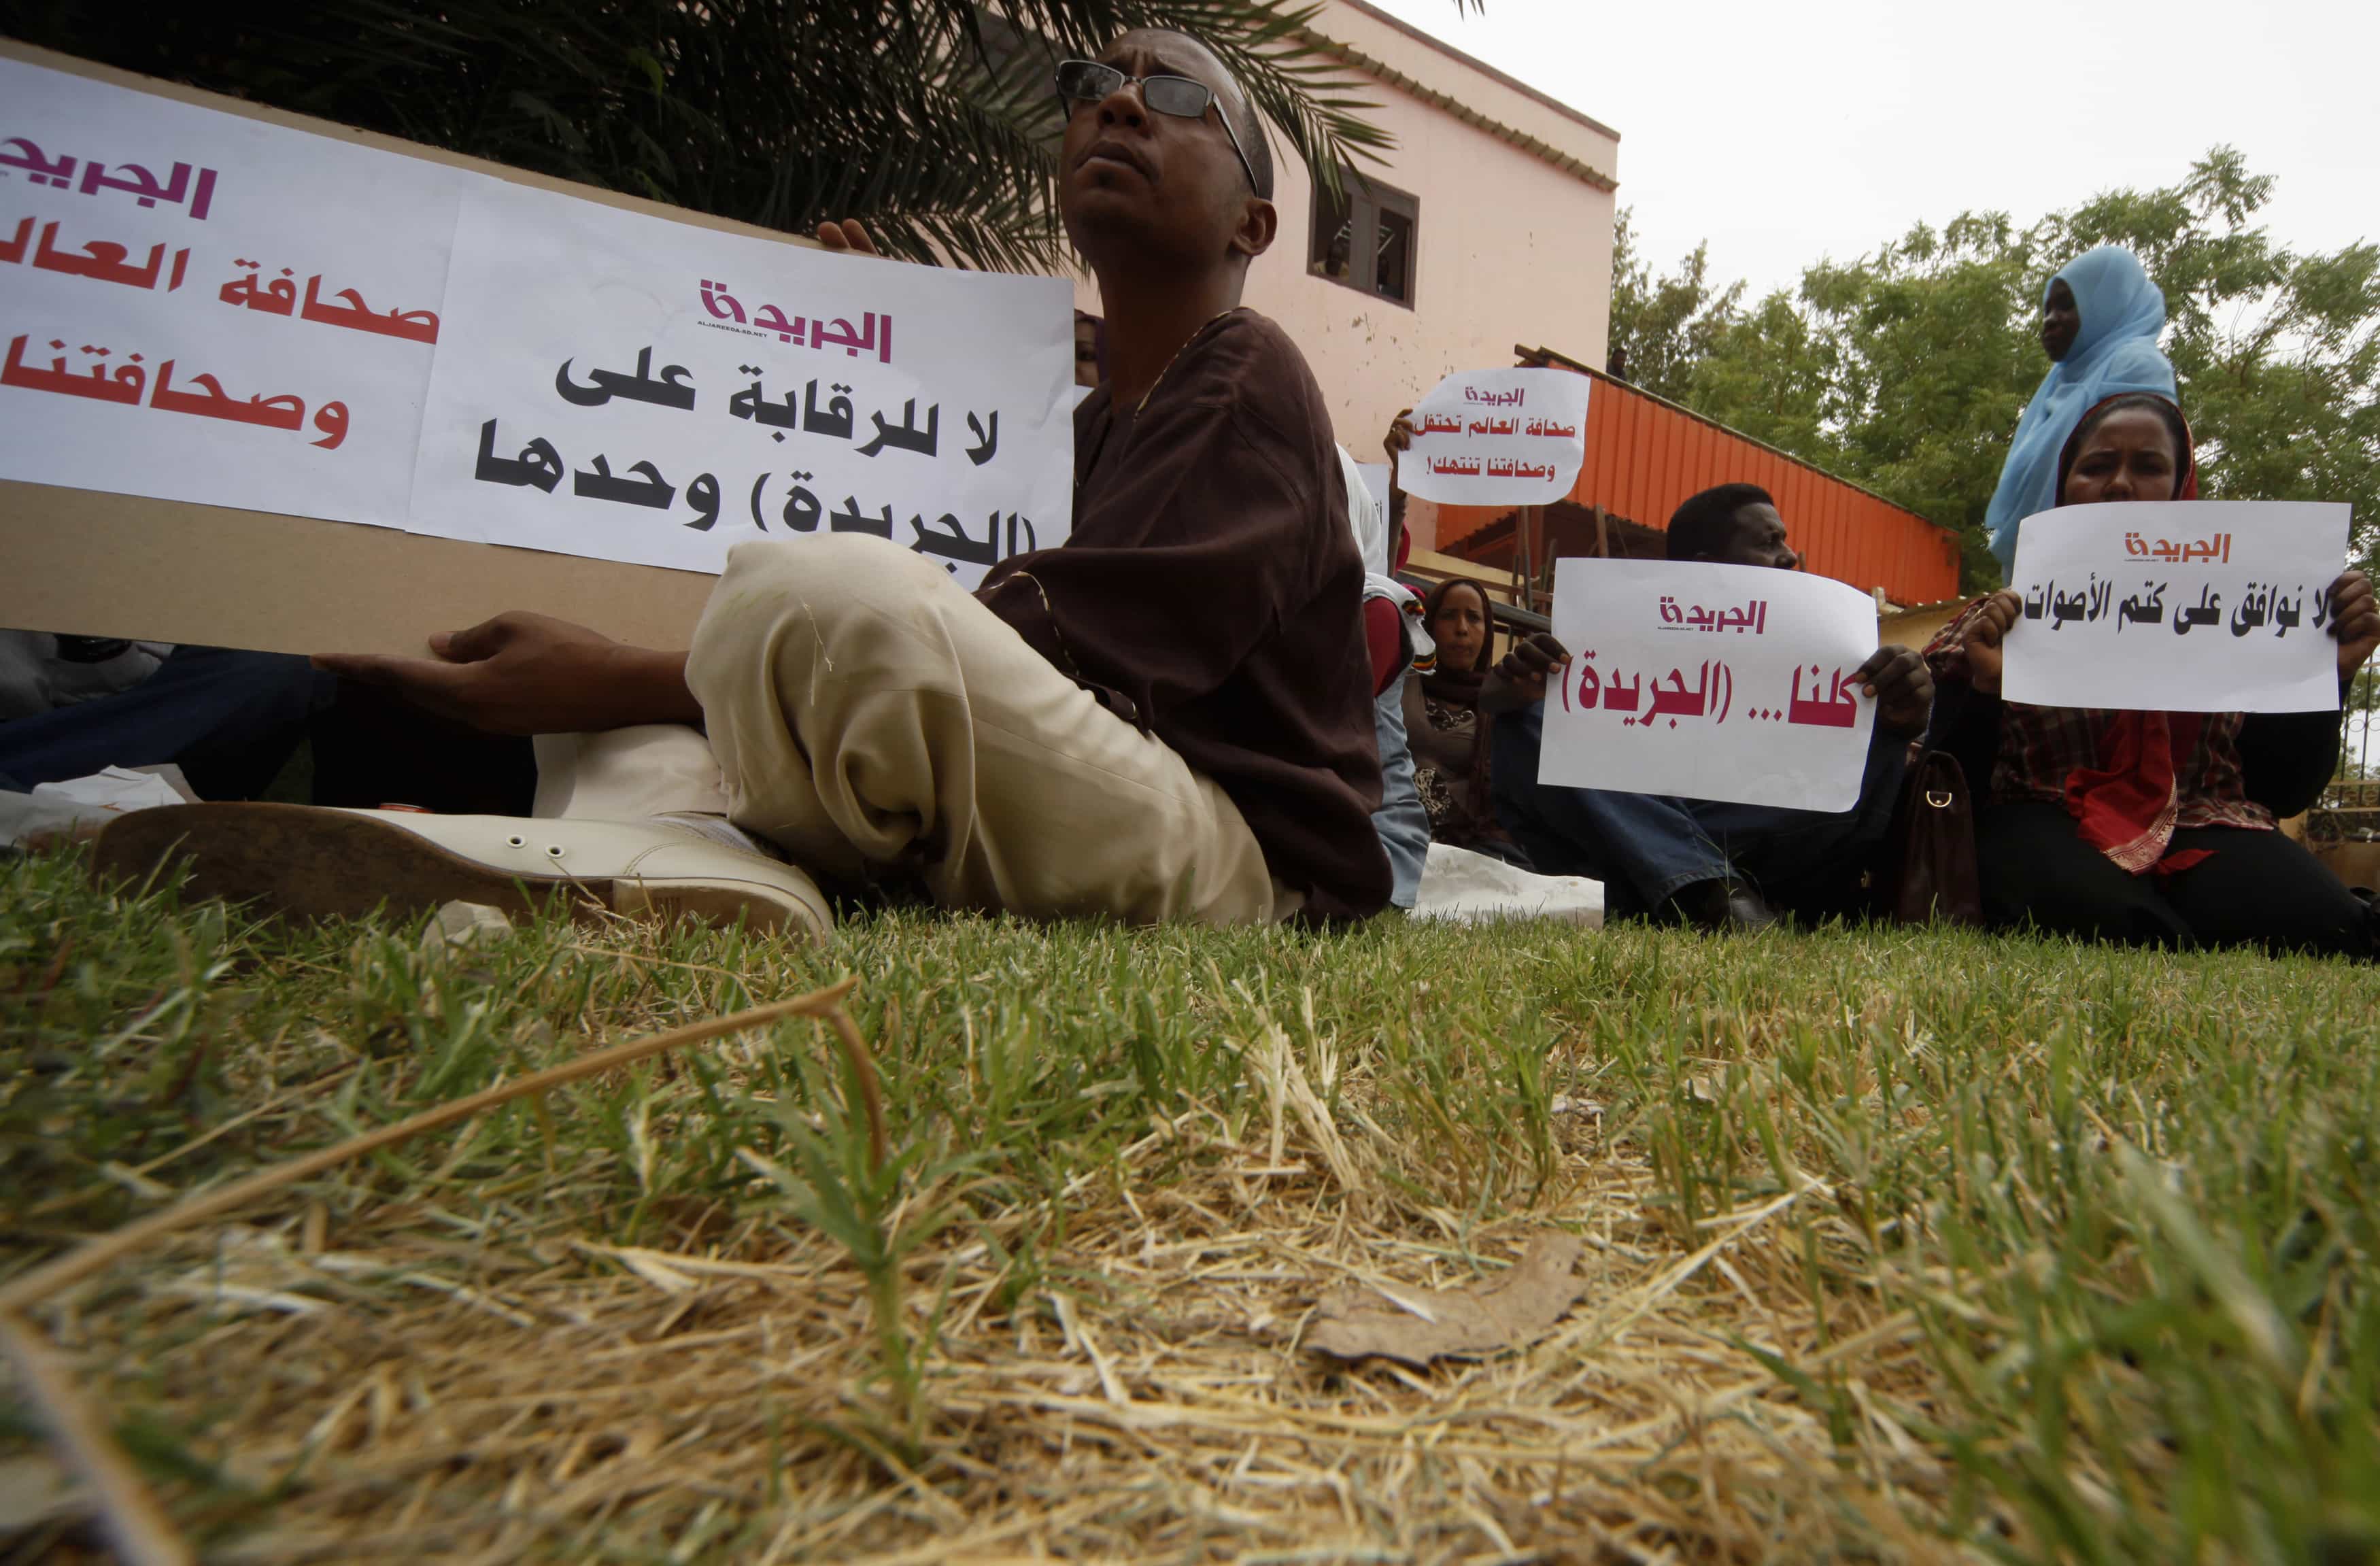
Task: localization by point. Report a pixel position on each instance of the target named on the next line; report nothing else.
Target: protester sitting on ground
(1442, 720)
(1168, 717)
(2100, 317)
(1448, 731)
(2145, 828)
(1708, 863)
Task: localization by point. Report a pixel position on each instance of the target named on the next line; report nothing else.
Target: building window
(1367, 238)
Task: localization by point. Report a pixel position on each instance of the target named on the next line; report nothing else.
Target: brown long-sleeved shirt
(1211, 594)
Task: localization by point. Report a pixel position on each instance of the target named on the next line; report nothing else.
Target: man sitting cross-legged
(1706, 862)
(1169, 717)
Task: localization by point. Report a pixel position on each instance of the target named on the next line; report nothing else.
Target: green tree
(1933, 361)
(1766, 373)
(1906, 369)
(932, 119)
(1660, 326)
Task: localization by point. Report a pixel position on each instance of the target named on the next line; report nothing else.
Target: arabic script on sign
(1773, 715)
(663, 429)
(2181, 606)
(1497, 437)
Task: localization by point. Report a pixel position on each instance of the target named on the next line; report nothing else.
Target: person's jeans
(1647, 847)
(1401, 823)
(229, 719)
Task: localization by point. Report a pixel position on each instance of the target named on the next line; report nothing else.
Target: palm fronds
(932, 121)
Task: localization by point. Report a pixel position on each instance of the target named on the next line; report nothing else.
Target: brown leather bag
(1931, 874)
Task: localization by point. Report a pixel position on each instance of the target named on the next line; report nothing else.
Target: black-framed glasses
(1088, 81)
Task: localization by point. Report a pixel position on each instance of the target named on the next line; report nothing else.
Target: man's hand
(1519, 678)
(523, 673)
(1903, 687)
(2001, 611)
(1399, 439)
(2354, 620)
(848, 234)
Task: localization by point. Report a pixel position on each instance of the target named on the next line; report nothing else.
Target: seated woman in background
(1445, 727)
(2152, 829)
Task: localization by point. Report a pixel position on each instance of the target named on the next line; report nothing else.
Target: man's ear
(1257, 225)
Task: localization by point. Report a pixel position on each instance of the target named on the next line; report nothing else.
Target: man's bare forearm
(653, 690)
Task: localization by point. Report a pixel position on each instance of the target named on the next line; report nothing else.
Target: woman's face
(1460, 627)
(2129, 456)
(2060, 320)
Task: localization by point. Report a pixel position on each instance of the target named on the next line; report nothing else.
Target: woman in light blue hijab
(2100, 317)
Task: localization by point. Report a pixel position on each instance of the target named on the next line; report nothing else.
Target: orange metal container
(1646, 455)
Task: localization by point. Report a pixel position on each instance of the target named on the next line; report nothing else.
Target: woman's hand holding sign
(2000, 613)
(2355, 621)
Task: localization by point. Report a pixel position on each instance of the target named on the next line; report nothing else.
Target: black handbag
(1931, 874)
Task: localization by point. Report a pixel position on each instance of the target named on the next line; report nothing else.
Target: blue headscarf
(2115, 351)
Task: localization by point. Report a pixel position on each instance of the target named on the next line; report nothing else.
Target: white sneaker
(319, 863)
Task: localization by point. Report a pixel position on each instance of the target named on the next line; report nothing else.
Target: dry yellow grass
(601, 1329)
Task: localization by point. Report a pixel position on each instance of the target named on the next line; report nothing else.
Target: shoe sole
(315, 864)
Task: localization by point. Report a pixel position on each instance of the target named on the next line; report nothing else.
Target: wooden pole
(1524, 557)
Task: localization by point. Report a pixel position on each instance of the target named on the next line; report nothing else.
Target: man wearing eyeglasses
(1168, 717)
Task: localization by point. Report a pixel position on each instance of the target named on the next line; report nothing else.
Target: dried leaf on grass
(460, 926)
(34, 1490)
(1356, 1320)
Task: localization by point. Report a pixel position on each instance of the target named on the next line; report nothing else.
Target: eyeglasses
(1088, 81)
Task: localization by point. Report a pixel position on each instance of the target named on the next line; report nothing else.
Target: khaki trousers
(865, 712)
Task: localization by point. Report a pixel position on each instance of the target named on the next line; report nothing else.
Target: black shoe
(1724, 904)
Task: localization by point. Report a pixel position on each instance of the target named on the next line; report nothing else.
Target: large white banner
(616, 385)
(203, 308)
(1497, 437)
(199, 306)
(2177, 606)
(1713, 682)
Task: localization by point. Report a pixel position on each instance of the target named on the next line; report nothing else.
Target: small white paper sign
(1497, 437)
(618, 386)
(2177, 606)
(1712, 681)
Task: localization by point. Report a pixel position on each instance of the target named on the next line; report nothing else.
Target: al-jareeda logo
(874, 335)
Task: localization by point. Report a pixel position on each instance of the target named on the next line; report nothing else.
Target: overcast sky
(1786, 132)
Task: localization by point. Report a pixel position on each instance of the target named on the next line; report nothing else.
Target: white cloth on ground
(1470, 888)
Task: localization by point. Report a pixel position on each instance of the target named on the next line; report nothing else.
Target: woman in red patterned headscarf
(2145, 828)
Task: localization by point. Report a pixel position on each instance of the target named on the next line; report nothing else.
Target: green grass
(1904, 1245)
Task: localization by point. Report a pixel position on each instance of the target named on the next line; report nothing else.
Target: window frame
(1365, 200)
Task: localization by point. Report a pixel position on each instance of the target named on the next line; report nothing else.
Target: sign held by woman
(2177, 606)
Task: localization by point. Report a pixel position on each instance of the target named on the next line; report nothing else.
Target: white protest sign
(1713, 682)
(1497, 437)
(617, 385)
(2177, 606)
(198, 307)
